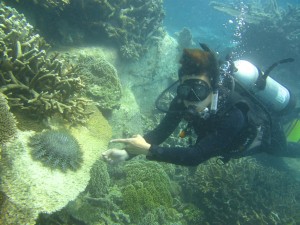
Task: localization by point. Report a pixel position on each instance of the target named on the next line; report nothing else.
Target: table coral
(32, 188)
(32, 81)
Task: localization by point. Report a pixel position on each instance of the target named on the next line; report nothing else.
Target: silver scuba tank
(274, 96)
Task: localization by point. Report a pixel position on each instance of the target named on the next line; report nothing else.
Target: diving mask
(193, 90)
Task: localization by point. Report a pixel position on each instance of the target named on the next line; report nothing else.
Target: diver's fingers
(121, 140)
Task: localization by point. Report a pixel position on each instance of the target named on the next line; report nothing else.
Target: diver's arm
(168, 124)
(211, 145)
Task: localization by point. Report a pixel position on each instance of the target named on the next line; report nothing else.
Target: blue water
(206, 24)
(222, 33)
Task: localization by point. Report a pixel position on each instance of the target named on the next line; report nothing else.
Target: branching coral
(43, 86)
(132, 25)
(243, 192)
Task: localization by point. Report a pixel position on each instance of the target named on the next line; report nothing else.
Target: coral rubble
(32, 81)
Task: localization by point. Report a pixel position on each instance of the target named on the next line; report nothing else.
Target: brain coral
(57, 149)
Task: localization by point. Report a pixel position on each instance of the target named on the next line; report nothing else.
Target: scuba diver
(223, 106)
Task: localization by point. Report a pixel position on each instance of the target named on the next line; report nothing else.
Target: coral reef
(103, 84)
(184, 39)
(52, 4)
(8, 127)
(32, 188)
(131, 25)
(100, 181)
(243, 192)
(31, 81)
(146, 188)
(101, 210)
(56, 149)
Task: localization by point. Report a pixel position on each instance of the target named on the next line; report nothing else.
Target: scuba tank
(275, 97)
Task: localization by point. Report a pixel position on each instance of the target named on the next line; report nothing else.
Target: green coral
(146, 187)
(99, 183)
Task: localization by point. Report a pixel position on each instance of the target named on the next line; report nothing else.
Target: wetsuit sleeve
(168, 124)
(213, 144)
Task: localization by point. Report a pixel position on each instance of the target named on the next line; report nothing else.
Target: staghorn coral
(137, 24)
(43, 86)
(32, 188)
(243, 192)
(56, 149)
(8, 127)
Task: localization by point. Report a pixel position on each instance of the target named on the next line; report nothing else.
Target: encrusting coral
(32, 81)
(8, 128)
(57, 149)
(102, 81)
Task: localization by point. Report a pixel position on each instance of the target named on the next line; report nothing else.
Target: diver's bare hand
(115, 155)
(136, 144)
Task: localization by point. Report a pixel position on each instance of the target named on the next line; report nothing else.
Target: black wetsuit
(222, 135)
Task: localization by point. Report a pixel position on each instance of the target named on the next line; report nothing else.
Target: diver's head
(195, 91)
(197, 75)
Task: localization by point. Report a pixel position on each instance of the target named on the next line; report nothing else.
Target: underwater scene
(155, 112)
